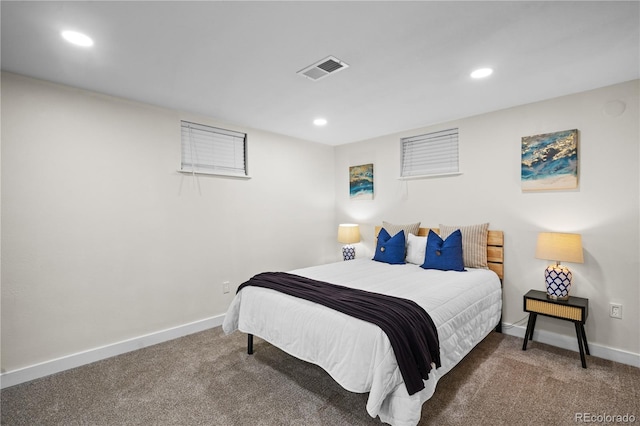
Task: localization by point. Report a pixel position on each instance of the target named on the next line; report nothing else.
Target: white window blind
(211, 150)
(429, 154)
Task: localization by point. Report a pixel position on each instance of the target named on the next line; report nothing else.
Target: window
(431, 154)
(210, 150)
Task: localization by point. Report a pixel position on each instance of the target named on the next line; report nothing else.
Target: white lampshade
(348, 233)
(560, 247)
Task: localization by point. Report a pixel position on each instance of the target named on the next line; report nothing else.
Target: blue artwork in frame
(361, 182)
(550, 161)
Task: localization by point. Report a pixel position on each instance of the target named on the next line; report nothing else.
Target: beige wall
(604, 209)
(102, 240)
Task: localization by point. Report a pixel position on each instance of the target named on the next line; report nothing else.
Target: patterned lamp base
(558, 279)
(348, 252)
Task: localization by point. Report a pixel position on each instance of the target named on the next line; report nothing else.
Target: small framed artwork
(361, 182)
(550, 161)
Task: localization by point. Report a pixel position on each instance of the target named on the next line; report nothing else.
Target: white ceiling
(409, 62)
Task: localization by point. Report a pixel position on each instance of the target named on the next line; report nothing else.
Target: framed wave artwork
(361, 182)
(550, 161)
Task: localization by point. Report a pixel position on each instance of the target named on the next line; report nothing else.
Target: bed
(464, 306)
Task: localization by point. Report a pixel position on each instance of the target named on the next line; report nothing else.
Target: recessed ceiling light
(320, 121)
(78, 39)
(482, 73)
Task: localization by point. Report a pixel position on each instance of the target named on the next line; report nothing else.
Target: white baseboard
(571, 343)
(15, 377)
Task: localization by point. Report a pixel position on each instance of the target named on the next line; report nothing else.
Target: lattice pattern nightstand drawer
(554, 310)
(575, 309)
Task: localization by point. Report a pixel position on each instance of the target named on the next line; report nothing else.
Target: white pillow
(416, 249)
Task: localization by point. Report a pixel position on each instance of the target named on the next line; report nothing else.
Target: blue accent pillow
(445, 255)
(390, 249)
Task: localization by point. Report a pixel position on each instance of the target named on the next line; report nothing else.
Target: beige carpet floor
(207, 379)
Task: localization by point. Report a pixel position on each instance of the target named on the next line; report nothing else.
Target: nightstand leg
(528, 335)
(584, 339)
(579, 335)
(533, 325)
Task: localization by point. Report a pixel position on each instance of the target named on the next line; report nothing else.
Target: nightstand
(575, 310)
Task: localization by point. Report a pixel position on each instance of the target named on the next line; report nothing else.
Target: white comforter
(465, 306)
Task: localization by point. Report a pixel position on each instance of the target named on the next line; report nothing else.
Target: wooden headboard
(495, 248)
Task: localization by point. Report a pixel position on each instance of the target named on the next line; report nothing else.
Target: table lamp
(560, 248)
(348, 234)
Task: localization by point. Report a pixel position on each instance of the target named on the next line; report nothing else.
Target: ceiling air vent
(323, 68)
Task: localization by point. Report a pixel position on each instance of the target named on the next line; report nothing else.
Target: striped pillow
(474, 243)
(392, 229)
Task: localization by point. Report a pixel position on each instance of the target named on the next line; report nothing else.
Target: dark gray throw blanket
(410, 329)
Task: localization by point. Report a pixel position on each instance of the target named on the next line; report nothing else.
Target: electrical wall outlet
(615, 310)
(225, 287)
